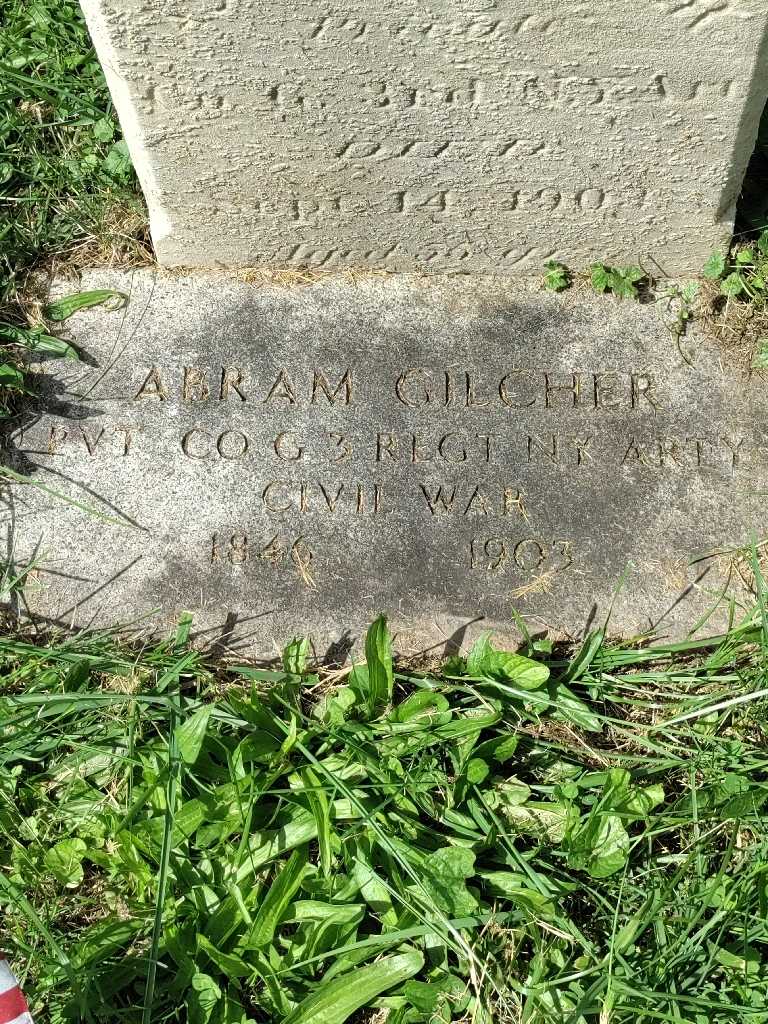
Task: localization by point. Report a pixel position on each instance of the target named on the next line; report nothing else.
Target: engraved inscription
(304, 454)
(526, 554)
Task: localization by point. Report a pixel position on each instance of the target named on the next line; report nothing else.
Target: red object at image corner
(13, 1006)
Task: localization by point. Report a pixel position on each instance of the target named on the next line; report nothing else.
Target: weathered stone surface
(451, 136)
(281, 459)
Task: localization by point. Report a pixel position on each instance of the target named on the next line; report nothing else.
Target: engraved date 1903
(515, 554)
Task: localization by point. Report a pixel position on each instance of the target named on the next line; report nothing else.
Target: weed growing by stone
(38, 343)
(557, 277)
(741, 272)
(620, 281)
(680, 302)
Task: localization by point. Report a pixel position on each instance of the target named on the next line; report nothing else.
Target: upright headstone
(480, 136)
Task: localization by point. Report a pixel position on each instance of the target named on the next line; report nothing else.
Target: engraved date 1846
(239, 548)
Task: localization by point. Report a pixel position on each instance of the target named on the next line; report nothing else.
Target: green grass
(65, 175)
(574, 838)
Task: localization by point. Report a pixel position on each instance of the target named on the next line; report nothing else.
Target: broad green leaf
(732, 285)
(335, 1001)
(422, 995)
(102, 941)
(601, 847)
(259, 746)
(557, 277)
(485, 660)
(570, 708)
(265, 846)
(36, 340)
(600, 844)
(65, 862)
(477, 771)
(443, 875)
(632, 274)
(10, 376)
(378, 659)
(601, 278)
(202, 999)
(742, 961)
(423, 704)
(186, 820)
(512, 792)
(295, 656)
(616, 787)
(511, 886)
(275, 903)
(372, 888)
(230, 964)
(62, 309)
(715, 266)
(104, 129)
(499, 749)
(179, 942)
(546, 821)
(320, 807)
(335, 913)
(640, 802)
(622, 288)
(191, 734)
(118, 160)
(762, 243)
(623, 285)
(480, 658)
(334, 706)
(732, 784)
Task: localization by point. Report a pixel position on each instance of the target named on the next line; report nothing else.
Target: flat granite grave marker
(481, 136)
(277, 458)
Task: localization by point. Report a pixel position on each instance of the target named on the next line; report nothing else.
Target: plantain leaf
(295, 656)
(228, 963)
(191, 733)
(10, 377)
(320, 807)
(203, 998)
(424, 705)
(485, 660)
(65, 861)
(601, 847)
(62, 309)
(443, 875)
(336, 1000)
(276, 902)
(378, 659)
(36, 340)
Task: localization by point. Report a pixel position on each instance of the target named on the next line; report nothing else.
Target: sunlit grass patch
(533, 836)
(64, 168)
